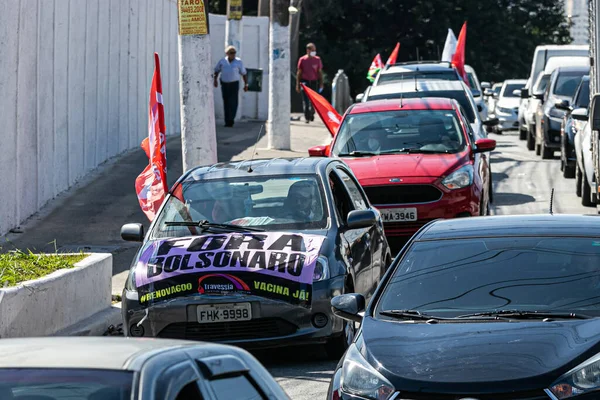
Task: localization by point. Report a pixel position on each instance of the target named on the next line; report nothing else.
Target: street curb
(96, 325)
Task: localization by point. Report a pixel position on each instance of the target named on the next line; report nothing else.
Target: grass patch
(18, 266)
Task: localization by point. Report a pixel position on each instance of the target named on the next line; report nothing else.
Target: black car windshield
(510, 88)
(65, 384)
(583, 97)
(389, 132)
(291, 202)
(567, 82)
(449, 75)
(458, 95)
(463, 276)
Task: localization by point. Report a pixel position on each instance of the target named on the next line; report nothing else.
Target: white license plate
(224, 312)
(398, 214)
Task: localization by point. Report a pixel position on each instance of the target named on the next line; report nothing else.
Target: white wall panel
(106, 75)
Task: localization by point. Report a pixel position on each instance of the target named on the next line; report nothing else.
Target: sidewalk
(89, 216)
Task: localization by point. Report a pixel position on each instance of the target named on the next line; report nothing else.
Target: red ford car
(417, 159)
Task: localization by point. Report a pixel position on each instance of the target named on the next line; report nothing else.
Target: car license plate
(224, 312)
(398, 214)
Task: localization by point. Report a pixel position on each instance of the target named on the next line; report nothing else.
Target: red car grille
(402, 194)
(261, 328)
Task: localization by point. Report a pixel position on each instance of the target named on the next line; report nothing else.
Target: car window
(510, 88)
(66, 384)
(190, 392)
(458, 95)
(341, 197)
(529, 273)
(388, 132)
(358, 200)
(237, 387)
(269, 202)
(466, 124)
(583, 96)
(567, 82)
(542, 83)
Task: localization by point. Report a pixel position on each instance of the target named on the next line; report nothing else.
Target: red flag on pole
(328, 114)
(458, 60)
(151, 185)
(394, 56)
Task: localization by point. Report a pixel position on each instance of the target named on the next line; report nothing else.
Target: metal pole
(233, 37)
(264, 8)
(198, 133)
(278, 124)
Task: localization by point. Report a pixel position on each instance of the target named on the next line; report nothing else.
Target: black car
(561, 88)
(572, 123)
(502, 307)
(251, 253)
(111, 368)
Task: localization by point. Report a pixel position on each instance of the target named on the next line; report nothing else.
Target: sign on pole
(192, 17)
(234, 9)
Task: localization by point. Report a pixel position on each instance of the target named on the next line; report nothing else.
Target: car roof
(423, 103)
(468, 68)
(515, 81)
(571, 69)
(558, 61)
(88, 351)
(422, 85)
(513, 225)
(265, 166)
(562, 46)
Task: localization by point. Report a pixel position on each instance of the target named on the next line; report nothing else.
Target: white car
(494, 93)
(477, 92)
(585, 166)
(507, 106)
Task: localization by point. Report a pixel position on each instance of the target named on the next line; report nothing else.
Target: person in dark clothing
(310, 72)
(230, 68)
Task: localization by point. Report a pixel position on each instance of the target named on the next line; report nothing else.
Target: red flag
(458, 60)
(394, 56)
(328, 114)
(151, 185)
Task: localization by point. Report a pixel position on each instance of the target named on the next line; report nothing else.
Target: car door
(481, 162)
(358, 251)
(374, 237)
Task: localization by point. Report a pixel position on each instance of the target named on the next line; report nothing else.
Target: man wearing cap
(310, 72)
(230, 68)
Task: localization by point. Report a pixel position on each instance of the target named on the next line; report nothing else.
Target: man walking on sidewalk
(310, 72)
(231, 68)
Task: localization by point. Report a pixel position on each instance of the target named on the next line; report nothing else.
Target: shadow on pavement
(512, 199)
(499, 176)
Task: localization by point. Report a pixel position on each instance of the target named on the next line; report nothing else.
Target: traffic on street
(423, 228)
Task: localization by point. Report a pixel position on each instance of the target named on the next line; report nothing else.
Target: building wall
(75, 80)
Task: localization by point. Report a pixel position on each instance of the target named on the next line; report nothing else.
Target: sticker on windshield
(273, 265)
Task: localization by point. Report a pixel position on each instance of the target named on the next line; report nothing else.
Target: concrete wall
(74, 85)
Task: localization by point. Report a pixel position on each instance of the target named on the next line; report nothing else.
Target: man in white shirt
(230, 68)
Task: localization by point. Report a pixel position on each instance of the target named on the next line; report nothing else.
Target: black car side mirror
(132, 232)
(580, 114)
(491, 122)
(358, 219)
(562, 105)
(348, 306)
(539, 96)
(479, 108)
(524, 93)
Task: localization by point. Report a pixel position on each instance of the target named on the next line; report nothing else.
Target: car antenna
(551, 201)
(254, 150)
(401, 93)
(416, 88)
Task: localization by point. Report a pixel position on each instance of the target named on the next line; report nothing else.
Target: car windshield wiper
(424, 151)
(358, 154)
(525, 314)
(205, 225)
(408, 314)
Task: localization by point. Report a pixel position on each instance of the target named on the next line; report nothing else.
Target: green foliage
(17, 266)
(501, 34)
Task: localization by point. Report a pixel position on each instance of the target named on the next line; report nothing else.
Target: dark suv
(573, 123)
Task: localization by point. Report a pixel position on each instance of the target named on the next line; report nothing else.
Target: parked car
(538, 89)
(492, 98)
(251, 252)
(417, 160)
(507, 106)
(541, 56)
(111, 368)
(574, 120)
(584, 169)
(561, 88)
(477, 92)
(502, 307)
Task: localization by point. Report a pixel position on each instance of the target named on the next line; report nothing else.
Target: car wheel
(547, 153)
(530, 141)
(586, 192)
(522, 134)
(578, 179)
(337, 346)
(568, 172)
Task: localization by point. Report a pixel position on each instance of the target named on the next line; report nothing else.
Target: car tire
(547, 153)
(522, 134)
(586, 192)
(578, 178)
(568, 172)
(530, 141)
(337, 346)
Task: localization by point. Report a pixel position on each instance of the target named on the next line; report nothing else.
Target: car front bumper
(507, 121)
(274, 323)
(551, 131)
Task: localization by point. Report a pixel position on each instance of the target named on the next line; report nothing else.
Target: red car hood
(377, 169)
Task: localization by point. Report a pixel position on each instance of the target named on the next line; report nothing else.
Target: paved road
(522, 183)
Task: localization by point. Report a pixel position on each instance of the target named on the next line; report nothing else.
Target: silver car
(507, 106)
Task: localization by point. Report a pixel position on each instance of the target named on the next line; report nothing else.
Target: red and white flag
(458, 59)
(394, 56)
(328, 114)
(151, 185)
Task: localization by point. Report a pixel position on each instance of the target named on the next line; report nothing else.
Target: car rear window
(510, 88)
(65, 384)
(449, 75)
(458, 95)
(459, 276)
